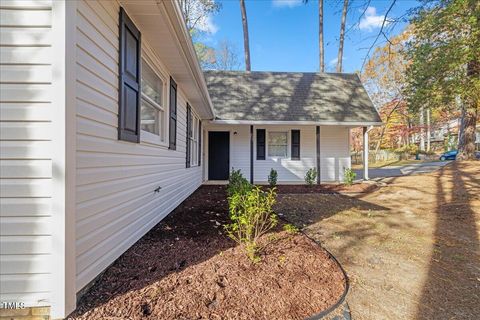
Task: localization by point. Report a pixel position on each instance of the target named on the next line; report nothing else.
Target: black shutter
(189, 135)
(129, 80)
(260, 144)
(172, 131)
(199, 142)
(295, 144)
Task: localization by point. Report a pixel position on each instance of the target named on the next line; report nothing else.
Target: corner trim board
(251, 154)
(318, 154)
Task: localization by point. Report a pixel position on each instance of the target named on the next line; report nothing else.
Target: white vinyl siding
(334, 152)
(25, 152)
(288, 170)
(116, 202)
(239, 147)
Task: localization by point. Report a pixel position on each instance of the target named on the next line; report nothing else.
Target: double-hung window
(277, 144)
(152, 113)
(194, 141)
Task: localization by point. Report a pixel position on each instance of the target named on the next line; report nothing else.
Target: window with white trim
(152, 112)
(277, 144)
(193, 140)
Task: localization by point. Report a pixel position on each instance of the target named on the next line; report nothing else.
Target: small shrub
(348, 176)
(251, 216)
(290, 228)
(411, 149)
(272, 178)
(311, 176)
(237, 183)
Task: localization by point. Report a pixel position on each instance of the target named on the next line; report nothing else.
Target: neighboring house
(447, 135)
(477, 137)
(107, 125)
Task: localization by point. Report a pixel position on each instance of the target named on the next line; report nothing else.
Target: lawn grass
(382, 164)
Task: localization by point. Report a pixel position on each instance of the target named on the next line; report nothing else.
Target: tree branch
(378, 35)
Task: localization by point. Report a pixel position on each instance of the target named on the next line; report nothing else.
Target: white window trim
(145, 136)
(267, 144)
(195, 139)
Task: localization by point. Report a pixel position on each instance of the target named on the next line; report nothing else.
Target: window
(277, 144)
(152, 112)
(193, 140)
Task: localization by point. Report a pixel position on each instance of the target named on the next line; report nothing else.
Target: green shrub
(311, 176)
(251, 216)
(411, 149)
(348, 176)
(237, 183)
(427, 153)
(290, 228)
(272, 178)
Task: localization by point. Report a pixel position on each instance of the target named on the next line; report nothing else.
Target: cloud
(371, 20)
(333, 62)
(207, 25)
(286, 3)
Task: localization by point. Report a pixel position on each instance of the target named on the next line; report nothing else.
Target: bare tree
(246, 44)
(342, 36)
(226, 57)
(196, 12)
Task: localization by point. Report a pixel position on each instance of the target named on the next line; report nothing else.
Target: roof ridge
(281, 72)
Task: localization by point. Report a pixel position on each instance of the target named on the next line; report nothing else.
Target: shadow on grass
(452, 287)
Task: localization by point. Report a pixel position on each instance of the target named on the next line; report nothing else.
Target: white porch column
(365, 153)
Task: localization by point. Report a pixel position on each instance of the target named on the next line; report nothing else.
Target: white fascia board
(175, 13)
(318, 123)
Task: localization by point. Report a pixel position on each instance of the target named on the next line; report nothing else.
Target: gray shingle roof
(289, 96)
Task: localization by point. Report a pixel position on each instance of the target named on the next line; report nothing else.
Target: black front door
(218, 155)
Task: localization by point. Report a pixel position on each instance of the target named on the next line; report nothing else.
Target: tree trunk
(245, 35)
(466, 144)
(320, 35)
(428, 129)
(422, 129)
(342, 36)
(466, 141)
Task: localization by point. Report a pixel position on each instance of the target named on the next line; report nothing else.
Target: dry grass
(411, 249)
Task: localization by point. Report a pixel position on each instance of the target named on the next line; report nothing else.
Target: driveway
(403, 170)
(411, 248)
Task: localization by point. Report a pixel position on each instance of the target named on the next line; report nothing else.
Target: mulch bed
(326, 188)
(186, 268)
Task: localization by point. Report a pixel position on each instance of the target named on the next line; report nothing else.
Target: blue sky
(284, 33)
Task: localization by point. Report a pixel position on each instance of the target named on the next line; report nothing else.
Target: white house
(107, 125)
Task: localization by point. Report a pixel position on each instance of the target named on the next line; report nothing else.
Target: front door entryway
(218, 155)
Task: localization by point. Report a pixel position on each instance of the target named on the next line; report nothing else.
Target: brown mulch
(186, 268)
(326, 188)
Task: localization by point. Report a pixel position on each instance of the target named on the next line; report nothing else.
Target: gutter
(279, 122)
(174, 12)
